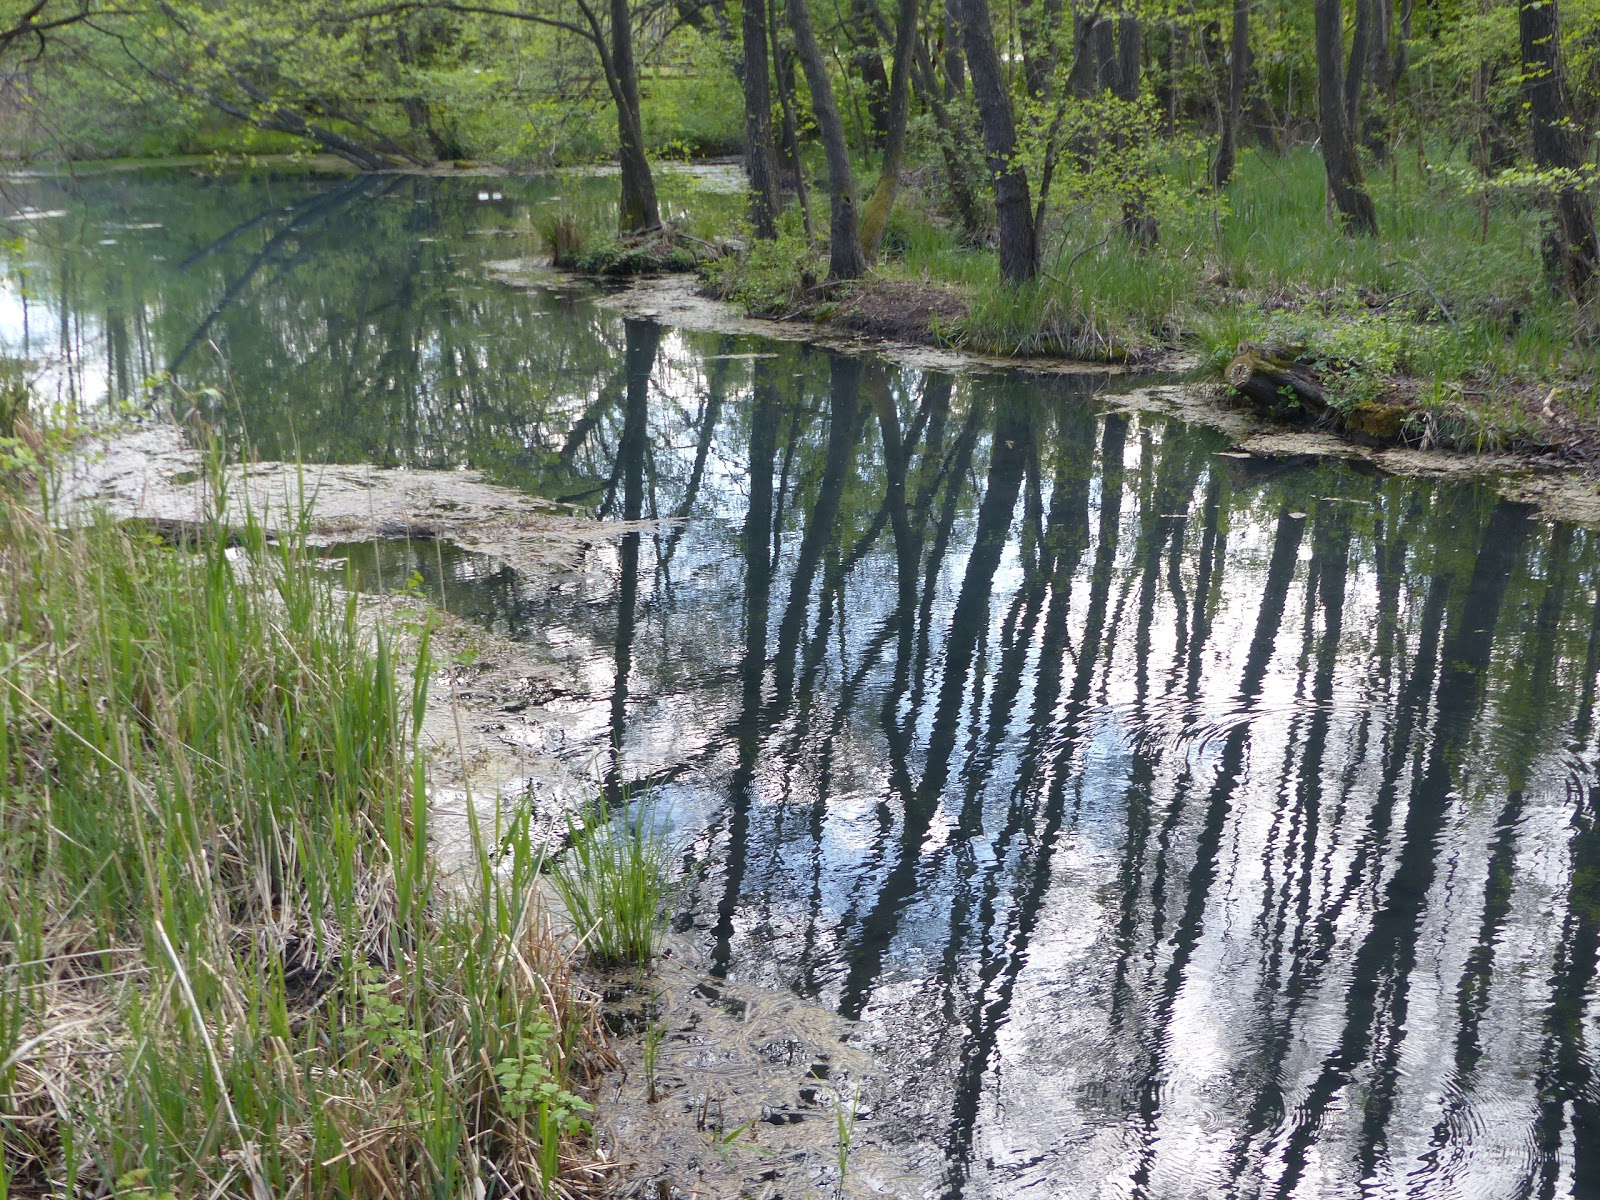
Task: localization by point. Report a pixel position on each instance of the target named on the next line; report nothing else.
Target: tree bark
(638, 210)
(1570, 248)
(1019, 247)
(955, 66)
(1040, 29)
(875, 219)
(789, 145)
(867, 59)
(1346, 187)
(759, 157)
(959, 172)
(844, 238)
(1277, 385)
(1233, 111)
(1355, 74)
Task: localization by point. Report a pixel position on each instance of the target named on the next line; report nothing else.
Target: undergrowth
(227, 964)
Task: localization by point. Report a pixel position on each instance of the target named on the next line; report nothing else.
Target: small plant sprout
(845, 1123)
(654, 1035)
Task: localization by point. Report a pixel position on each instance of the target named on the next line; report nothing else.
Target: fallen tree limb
(1280, 385)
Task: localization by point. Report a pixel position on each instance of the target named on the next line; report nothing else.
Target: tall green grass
(227, 965)
(613, 881)
(1453, 289)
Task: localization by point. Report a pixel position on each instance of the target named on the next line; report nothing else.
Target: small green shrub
(773, 276)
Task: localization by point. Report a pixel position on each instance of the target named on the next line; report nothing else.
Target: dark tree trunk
(789, 145)
(955, 66)
(960, 167)
(1125, 81)
(1346, 187)
(1355, 74)
(1233, 111)
(1137, 222)
(1041, 24)
(759, 158)
(419, 114)
(844, 235)
(1570, 248)
(1103, 48)
(868, 62)
(1085, 76)
(638, 210)
(1019, 249)
(876, 217)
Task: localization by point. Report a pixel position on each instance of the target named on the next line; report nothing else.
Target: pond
(1175, 823)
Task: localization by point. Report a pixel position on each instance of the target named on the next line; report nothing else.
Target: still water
(1176, 824)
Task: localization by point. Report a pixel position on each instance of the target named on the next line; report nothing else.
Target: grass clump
(227, 964)
(613, 880)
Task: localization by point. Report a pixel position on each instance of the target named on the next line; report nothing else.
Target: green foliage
(225, 961)
(771, 276)
(613, 881)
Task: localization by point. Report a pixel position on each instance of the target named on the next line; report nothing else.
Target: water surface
(1176, 824)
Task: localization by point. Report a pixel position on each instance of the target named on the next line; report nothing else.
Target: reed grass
(613, 881)
(227, 963)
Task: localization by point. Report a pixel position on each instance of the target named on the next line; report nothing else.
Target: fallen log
(1278, 385)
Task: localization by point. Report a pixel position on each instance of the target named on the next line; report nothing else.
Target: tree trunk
(1125, 80)
(759, 158)
(1019, 248)
(1570, 248)
(844, 237)
(1277, 385)
(959, 167)
(955, 67)
(876, 217)
(1137, 222)
(1346, 187)
(1039, 33)
(789, 145)
(638, 211)
(1085, 75)
(1233, 111)
(1355, 74)
(867, 59)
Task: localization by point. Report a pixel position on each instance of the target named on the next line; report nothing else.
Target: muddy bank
(731, 1090)
(680, 301)
(744, 1087)
(1561, 487)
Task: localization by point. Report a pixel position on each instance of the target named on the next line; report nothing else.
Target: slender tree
(844, 239)
(638, 211)
(875, 219)
(1347, 188)
(759, 156)
(1019, 246)
(1570, 247)
(1232, 112)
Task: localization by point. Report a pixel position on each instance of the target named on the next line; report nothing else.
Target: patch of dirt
(899, 310)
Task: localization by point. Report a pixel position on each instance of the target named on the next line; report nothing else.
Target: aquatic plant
(613, 880)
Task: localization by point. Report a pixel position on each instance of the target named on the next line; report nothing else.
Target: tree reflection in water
(1175, 823)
